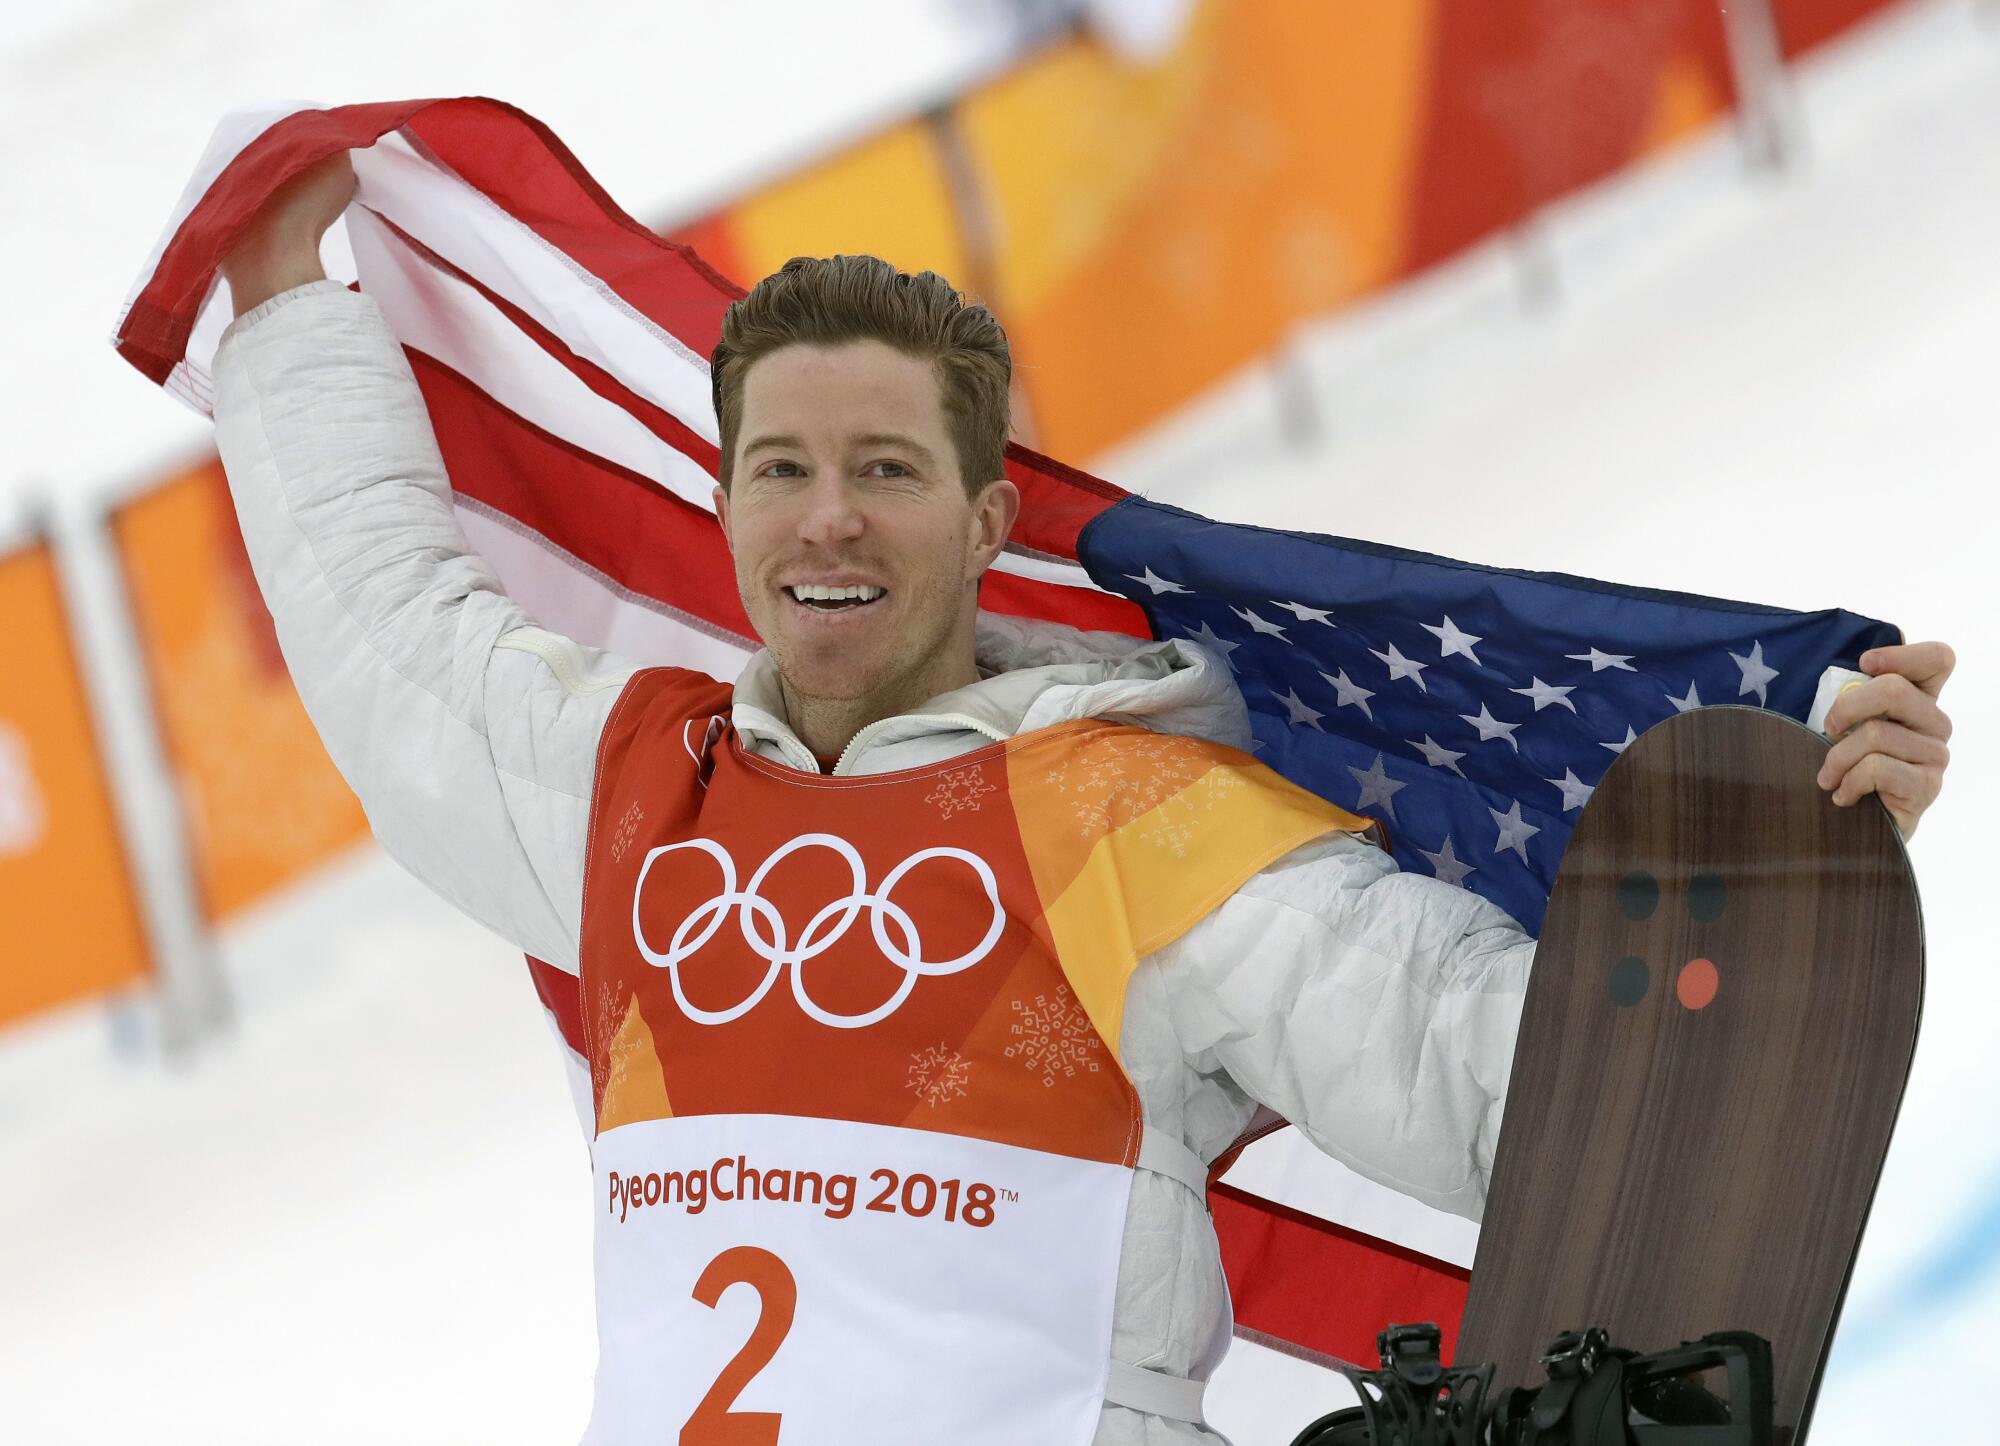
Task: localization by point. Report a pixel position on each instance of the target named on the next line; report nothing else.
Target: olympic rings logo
(763, 927)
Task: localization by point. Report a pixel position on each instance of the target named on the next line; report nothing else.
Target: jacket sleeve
(1376, 1010)
(468, 733)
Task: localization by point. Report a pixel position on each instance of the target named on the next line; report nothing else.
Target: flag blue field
(1470, 709)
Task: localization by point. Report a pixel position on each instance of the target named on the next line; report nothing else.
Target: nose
(829, 512)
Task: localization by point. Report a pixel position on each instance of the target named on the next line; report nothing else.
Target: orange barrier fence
(262, 802)
(1142, 232)
(69, 919)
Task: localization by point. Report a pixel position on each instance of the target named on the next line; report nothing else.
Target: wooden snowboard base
(1713, 1049)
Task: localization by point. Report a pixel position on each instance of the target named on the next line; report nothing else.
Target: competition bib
(864, 1143)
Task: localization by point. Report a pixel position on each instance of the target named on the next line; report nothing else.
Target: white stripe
(568, 596)
(1046, 569)
(443, 317)
(469, 230)
(1285, 1166)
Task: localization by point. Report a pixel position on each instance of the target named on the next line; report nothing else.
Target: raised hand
(280, 249)
(1889, 733)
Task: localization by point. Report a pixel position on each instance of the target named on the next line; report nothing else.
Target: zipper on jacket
(860, 739)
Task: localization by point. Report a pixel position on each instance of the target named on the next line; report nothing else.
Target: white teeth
(811, 592)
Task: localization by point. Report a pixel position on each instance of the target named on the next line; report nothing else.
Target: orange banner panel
(69, 917)
(1166, 225)
(264, 805)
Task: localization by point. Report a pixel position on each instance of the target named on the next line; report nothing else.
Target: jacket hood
(1032, 674)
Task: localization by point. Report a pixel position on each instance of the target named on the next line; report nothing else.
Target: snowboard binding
(1597, 1394)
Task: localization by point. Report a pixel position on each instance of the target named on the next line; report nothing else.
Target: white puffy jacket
(1374, 1009)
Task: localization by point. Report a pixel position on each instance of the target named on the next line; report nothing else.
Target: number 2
(713, 1423)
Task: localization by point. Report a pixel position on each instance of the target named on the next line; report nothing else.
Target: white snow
(361, 1216)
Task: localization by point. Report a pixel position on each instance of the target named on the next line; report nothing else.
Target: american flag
(562, 351)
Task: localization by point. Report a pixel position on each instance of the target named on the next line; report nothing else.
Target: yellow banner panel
(887, 197)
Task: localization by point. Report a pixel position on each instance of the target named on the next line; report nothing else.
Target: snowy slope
(362, 1216)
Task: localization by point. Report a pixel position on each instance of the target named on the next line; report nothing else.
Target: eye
(900, 469)
(772, 469)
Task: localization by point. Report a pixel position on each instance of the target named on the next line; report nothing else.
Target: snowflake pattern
(628, 828)
(1146, 779)
(938, 1074)
(959, 789)
(1054, 1036)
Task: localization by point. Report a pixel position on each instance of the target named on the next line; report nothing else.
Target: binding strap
(1136, 1387)
(1155, 1392)
(1164, 1155)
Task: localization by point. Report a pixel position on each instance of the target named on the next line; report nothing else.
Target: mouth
(826, 603)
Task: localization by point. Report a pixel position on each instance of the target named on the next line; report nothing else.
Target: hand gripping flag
(562, 351)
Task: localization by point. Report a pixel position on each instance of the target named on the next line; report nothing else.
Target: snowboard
(1713, 1048)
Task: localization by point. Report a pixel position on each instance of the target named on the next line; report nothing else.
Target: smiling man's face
(846, 476)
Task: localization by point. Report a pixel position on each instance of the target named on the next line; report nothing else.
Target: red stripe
(1056, 502)
(1026, 597)
(1324, 1286)
(624, 525)
(562, 996)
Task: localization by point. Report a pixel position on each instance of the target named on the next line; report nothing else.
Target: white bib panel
(904, 1325)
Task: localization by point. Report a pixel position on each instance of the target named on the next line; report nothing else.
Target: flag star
(1157, 583)
(1449, 866)
(1756, 673)
(1600, 661)
(1402, 667)
(1576, 793)
(1453, 640)
(1351, 694)
(1436, 755)
(1276, 630)
(1205, 635)
(1491, 727)
(1621, 747)
(1300, 712)
(1544, 694)
(1514, 831)
(1376, 786)
(1692, 700)
(1305, 614)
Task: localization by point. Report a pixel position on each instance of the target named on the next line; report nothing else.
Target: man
(923, 970)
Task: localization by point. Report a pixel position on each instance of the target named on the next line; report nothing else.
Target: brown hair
(831, 300)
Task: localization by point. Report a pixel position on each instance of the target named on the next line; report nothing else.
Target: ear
(720, 499)
(993, 514)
